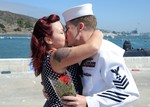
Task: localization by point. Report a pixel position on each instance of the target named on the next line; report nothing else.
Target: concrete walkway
(20, 90)
(23, 89)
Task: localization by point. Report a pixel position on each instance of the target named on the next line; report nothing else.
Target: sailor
(107, 82)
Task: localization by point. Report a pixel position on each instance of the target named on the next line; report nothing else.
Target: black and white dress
(47, 73)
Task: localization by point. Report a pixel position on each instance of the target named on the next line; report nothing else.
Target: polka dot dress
(47, 73)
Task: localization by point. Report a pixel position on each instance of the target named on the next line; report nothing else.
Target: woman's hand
(95, 40)
(45, 94)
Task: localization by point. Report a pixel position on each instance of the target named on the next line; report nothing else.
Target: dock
(20, 88)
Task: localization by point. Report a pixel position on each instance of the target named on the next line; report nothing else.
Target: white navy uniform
(107, 82)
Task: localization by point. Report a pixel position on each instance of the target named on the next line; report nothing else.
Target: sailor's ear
(81, 26)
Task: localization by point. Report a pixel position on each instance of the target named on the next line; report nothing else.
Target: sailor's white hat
(78, 11)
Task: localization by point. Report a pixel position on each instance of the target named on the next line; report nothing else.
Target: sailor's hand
(74, 101)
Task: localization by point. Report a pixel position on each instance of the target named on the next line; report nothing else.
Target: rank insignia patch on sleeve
(121, 82)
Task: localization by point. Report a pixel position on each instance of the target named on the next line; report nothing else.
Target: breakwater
(23, 64)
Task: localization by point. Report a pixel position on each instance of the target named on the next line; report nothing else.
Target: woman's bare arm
(61, 58)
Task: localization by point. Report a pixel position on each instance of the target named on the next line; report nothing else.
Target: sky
(113, 15)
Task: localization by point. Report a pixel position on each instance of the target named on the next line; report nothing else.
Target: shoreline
(15, 33)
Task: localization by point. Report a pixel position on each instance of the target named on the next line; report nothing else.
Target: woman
(48, 39)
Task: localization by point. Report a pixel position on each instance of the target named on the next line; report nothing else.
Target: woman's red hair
(38, 47)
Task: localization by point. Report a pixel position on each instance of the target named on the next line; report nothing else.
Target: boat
(1, 37)
(134, 52)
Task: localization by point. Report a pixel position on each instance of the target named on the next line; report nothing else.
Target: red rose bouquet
(64, 86)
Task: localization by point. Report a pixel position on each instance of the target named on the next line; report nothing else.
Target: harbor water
(18, 46)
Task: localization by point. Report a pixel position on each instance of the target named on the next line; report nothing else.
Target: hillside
(12, 23)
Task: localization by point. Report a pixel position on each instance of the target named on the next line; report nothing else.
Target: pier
(20, 88)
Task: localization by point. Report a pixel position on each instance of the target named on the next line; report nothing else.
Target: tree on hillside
(20, 22)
